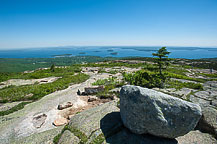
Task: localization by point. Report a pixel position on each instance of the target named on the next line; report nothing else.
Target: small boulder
(60, 121)
(93, 90)
(64, 106)
(78, 92)
(148, 111)
(91, 99)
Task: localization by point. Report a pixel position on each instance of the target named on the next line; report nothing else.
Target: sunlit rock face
(148, 111)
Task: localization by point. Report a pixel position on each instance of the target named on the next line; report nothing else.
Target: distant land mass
(107, 51)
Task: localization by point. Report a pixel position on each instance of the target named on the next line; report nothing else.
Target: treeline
(24, 64)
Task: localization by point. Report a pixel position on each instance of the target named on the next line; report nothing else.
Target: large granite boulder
(148, 111)
(103, 124)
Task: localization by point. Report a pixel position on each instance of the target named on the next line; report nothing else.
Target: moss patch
(98, 140)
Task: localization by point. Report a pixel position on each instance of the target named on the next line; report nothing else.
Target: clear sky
(43, 23)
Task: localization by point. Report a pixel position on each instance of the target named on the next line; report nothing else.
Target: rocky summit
(148, 111)
(103, 124)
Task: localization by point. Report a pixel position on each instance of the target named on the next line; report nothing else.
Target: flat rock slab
(196, 137)
(200, 101)
(39, 120)
(182, 93)
(45, 137)
(147, 111)
(207, 95)
(210, 85)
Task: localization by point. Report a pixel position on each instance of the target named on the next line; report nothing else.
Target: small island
(114, 53)
(82, 52)
(110, 50)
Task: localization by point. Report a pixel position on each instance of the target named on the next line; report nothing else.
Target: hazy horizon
(75, 46)
(54, 23)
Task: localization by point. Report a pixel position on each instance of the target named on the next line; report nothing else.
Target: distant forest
(24, 64)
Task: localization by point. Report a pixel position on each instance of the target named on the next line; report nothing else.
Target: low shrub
(145, 79)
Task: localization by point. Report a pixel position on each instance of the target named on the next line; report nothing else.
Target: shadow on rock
(115, 132)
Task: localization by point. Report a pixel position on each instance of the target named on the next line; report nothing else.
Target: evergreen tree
(52, 68)
(162, 59)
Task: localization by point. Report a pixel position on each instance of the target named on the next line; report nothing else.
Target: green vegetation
(40, 73)
(162, 59)
(13, 109)
(209, 75)
(83, 138)
(145, 78)
(173, 75)
(52, 68)
(109, 84)
(150, 78)
(36, 91)
(57, 138)
(24, 64)
(109, 81)
(98, 140)
(180, 85)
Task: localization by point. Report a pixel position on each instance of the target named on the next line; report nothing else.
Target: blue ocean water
(109, 51)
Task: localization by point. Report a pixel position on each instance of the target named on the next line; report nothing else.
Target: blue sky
(43, 23)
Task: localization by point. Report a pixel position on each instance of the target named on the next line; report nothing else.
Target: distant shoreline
(106, 51)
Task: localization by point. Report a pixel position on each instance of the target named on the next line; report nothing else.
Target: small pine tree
(52, 68)
(162, 58)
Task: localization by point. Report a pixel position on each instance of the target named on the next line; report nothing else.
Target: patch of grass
(109, 81)
(83, 138)
(173, 75)
(13, 109)
(57, 138)
(102, 70)
(109, 84)
(40, 73)
(98, 140)
(146, 78)
(180, 85)
(20, 93)
(113, 71)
